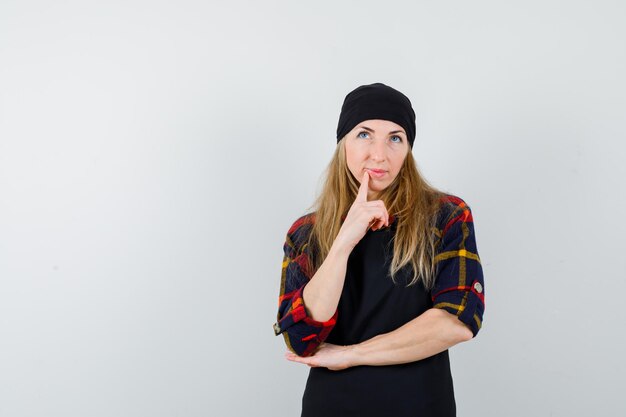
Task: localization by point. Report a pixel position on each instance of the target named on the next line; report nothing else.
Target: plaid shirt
(459, 286)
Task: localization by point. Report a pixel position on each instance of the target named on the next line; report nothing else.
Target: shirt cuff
(298, 314)
(466, 302)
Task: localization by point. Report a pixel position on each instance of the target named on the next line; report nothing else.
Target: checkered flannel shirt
(459, 286)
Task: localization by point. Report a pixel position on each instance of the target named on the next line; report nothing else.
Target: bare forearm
(321, 294)
(428, 334)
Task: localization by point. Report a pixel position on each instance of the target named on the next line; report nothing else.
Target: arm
(309, 326)
(457, 310)
(432, 332)
(460, 287)
(305, 318)
(323, 291)
(458, 307)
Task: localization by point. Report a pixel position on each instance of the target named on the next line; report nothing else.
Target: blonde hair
(409, 197)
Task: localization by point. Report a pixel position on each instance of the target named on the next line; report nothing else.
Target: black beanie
(376, 101)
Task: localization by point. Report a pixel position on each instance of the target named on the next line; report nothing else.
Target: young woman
(383, 277)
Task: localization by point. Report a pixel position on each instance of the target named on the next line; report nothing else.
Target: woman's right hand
(362, 215)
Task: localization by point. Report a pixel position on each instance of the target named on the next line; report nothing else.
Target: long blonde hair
(409, 197)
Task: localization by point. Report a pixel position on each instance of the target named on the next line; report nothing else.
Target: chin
(377, 185)
(378, 189)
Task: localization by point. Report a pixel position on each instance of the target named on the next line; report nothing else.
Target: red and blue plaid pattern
(459, 285)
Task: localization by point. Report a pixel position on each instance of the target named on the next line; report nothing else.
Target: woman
(383, 277)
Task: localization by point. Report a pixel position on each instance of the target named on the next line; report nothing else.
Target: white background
(153, 155)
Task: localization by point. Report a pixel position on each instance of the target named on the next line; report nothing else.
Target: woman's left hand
(333, 357)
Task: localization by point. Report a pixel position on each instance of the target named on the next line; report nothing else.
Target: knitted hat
(376, 101)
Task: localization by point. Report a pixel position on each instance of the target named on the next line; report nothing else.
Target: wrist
(352, 355)
(340, 248)
(364, 353)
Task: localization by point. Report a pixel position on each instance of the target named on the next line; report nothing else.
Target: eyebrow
(372, 130)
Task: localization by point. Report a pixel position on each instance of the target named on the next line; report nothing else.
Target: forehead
(380, 125)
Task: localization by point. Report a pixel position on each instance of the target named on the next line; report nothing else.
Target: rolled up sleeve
(301, 332)
(459, 284)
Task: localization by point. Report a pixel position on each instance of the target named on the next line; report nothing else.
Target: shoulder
(299, 231)
(301, 222)
(452, 209)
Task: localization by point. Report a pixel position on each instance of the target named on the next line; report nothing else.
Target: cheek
(353, 158)
(354, 167)
(397, 165)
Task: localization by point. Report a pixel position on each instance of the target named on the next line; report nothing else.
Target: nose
(378, 150)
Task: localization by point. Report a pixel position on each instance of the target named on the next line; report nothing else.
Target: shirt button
(478, 287)
(276, 329)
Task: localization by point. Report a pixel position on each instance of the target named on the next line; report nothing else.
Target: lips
(376, 173)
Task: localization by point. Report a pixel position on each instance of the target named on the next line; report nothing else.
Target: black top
(370, 305)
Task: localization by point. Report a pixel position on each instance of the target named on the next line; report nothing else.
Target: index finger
(362, 194)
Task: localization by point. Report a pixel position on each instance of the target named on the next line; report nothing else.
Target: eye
(361, 133)
(397, 137)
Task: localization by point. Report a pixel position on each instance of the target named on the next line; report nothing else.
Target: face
(379, 147)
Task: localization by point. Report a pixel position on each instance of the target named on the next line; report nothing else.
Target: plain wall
(154, 154)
